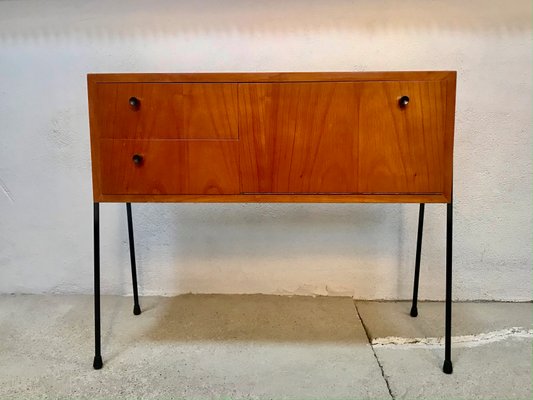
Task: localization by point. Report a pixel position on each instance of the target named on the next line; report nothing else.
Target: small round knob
(403, 101)
(137, 159)
(135, 103)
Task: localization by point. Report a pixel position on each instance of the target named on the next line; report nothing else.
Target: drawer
(401, 147)
(167, 110)
(169, 167)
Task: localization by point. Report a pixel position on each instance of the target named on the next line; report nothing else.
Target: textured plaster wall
(365, 251)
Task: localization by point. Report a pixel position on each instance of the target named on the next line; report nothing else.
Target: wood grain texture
(401, 150)
(95, 138)
(167, 111)
(395, 155)
(298, 137)
(272, 76)
(169, 167)
(276, 198)
(451, 83)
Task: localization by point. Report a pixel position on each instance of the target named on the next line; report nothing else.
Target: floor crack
(6, 191)
(374, 351)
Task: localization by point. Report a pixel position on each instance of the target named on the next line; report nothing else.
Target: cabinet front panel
(167, 110)
(401, 148)
(168, 167)
(298, 137)
(273, 136)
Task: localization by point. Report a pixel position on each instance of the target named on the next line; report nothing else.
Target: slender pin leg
(447, 367)
(136, 306)
(414, 308)
(97, 363)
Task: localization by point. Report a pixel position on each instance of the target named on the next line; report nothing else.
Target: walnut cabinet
(273, 137)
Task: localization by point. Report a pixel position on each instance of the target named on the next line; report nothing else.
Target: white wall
(365, 251)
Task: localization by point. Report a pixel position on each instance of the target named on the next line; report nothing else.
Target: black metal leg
(97, 363)
(136, 306)
(414, 308)
(448, 367)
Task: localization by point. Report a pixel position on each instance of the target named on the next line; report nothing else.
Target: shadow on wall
(105, 20)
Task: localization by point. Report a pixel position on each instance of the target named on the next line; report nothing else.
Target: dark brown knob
(403, 101)
(135, 103)
(137, 159)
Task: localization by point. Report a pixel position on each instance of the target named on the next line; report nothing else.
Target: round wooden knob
(403, 101)
(135, 103)
(137, 159)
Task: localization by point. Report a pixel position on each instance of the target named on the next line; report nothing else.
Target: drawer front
(167, 110)
(298, 137)
(342, 137)
(401, 146)
(168, 167)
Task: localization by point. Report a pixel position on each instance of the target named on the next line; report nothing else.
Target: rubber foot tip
(447, 368)
(414, 312)
(97, 363)
(136, 309)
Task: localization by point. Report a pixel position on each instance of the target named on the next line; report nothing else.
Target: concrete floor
(261, 347)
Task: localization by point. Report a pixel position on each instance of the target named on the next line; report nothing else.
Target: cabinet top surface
(271, 76)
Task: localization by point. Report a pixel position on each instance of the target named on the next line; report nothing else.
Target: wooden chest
(272, 137)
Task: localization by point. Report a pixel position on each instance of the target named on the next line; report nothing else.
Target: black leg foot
(414, 311)
(136, 309)
(97, 363)
(447, 368)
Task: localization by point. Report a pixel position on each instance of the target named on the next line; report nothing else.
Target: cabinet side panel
(95, 138)
(450, 84)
